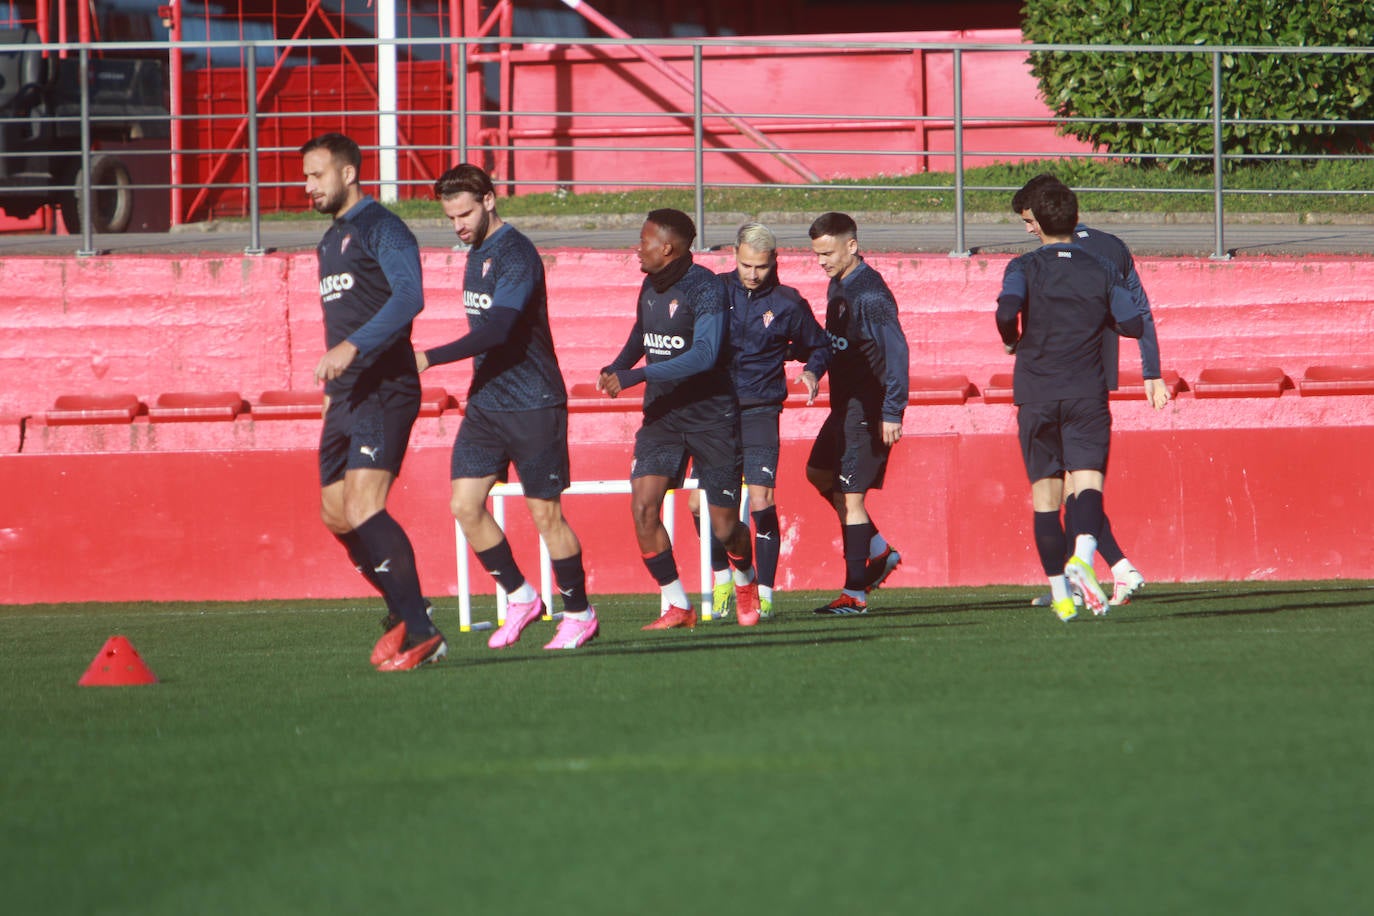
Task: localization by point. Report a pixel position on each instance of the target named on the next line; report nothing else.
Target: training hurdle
(577, 488)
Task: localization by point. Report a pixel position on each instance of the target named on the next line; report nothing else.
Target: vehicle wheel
(112, 206)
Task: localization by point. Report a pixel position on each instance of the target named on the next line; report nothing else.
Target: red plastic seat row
(584, 397)
(184, 406)
(1246, 382)
(188, 406)
(306, 405)
(1352, 379)
(1242, 382)
(1131, 385)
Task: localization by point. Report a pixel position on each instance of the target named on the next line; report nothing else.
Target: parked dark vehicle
(40, 129)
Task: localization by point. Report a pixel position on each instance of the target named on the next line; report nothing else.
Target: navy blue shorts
(368, 427)
(662, 450)
(1059, 436)
(535, 441)
(759, 433)
(850, 445)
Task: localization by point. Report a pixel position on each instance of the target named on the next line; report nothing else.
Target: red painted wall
(641, 109)
(1226, 488)
(608, 150)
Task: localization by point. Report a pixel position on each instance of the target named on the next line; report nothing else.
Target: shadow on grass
(957, 607)
(653, 647)
(779, 636)
(1256, 602)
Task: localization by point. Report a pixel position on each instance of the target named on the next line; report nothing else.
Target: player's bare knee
(645, 514)
(727, 528)
(467, 512)
(334, 520)
(547, 515)
(332, 510)
(358, 511)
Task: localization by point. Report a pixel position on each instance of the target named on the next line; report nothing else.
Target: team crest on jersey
(767, 318)
(672, 308)
(343, 246)
(486, 267)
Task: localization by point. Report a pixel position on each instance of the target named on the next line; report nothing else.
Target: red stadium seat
(434, 401)
(584, 397)
(1131, 385)
(998, 389)
(289, 405)
(939, 389)
(1337, 380)
(183, 406)
(70, 409)
(1243, 382)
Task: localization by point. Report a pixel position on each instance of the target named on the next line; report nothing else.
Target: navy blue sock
(1106, 544)
(393, 561)
(1050, 542)
(767, 546)
(500, 562)
(357, 554)
(572, 582)
(662, 567)
(1087, 514)
(856, 538)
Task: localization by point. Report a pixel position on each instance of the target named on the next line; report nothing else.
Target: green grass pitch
(1206, 749)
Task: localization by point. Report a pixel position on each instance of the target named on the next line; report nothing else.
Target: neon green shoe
(1065, 609)
(765, 608)
(722, 599)
(1082, 577)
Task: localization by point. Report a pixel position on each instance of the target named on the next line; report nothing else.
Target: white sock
(583, 616)
(743, 576)
(765, 593)
(858, 594)
(1085, 547)
(676, 595)
(722, 576)
(1059, 587)
(524, 594)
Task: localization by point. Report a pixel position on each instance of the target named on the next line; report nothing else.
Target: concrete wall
(1210, 488)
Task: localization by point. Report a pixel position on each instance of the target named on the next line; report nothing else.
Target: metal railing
(694, 128)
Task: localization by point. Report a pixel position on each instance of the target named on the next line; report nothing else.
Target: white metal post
(387, 134)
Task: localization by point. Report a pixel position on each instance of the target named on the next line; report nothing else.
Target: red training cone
(117, 664)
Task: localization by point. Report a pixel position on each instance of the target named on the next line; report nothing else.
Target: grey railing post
(960, 246)
(254, 214)
(1218, 161)
(83, 192)
(698, 138)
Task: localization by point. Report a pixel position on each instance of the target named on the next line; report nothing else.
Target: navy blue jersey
(1109, 247)
(1056, 303)
(769, 326)
(680, 334)
(869, 356)
(370, 291)
(522, 373)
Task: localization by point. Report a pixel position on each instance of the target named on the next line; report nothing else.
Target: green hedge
(1116, 87)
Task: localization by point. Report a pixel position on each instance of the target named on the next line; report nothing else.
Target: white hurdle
(577, 488)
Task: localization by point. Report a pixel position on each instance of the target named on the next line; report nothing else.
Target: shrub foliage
(1120, 88)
